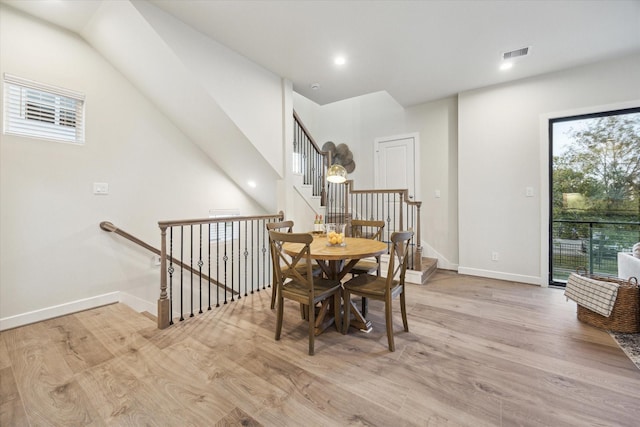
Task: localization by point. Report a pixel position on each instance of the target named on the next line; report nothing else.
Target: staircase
(341, 202)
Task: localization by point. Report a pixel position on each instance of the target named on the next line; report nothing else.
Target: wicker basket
(625, 316)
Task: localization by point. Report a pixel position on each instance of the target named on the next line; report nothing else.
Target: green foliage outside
(596, 182)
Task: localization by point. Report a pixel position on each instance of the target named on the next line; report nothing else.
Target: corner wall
(53, 256)
(503, 149)
(481, 149)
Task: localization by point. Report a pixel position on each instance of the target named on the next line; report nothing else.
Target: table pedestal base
(358, 321)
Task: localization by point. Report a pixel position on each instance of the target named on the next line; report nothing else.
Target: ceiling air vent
(516, 53)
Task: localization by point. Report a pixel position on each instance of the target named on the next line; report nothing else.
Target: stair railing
(309, 160)
(342, 203)
(394, 207)
(109, 227)
(230, 251)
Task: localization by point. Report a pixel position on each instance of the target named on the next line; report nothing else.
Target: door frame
(416, 159)
(545, 223)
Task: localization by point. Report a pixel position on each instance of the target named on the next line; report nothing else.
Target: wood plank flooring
(480, 352)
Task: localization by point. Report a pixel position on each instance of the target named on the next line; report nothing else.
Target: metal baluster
(170, 270)
(264, 279)
(181, 273)
(225, 258)
(209, 263)
(218, 267)
(233, 276)
(200, 264)
(253, 277)
(191, 265)
(246, 259)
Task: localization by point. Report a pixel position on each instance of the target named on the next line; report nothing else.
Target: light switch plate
(528, 191)
(101, 188)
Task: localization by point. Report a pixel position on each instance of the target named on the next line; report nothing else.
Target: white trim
(544, 172)
(416, 160)
(58, 310)
(138, 304)
(531, 280)
(443, 263)
(10, 78)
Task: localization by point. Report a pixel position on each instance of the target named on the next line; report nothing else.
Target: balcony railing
(591, 245)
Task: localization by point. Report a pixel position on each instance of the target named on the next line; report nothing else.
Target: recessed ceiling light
(340, 60)
(315, 86)
(506, 66)
(252, 184)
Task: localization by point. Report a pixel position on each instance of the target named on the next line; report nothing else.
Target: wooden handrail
(326, 155)
(306, 132)
(199, 221)
(108, 226)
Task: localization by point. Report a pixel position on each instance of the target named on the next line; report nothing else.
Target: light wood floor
(480, 353)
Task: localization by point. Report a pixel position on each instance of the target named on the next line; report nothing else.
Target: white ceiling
(415, 50)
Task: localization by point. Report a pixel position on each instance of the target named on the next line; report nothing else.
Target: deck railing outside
(590, 245)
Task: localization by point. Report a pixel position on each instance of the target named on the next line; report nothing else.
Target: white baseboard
(532, 280)
(58, 310)
(138, 304)
(134, 302)
(443, 263)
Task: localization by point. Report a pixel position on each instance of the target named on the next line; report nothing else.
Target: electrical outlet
(495, 256)
(156, 260)
(100, 188)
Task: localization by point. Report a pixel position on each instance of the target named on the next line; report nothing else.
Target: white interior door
(395, 163)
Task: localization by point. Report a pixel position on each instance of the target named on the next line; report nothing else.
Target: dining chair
(383, 288)
(305, 288)
(286, 226)
(367, 229)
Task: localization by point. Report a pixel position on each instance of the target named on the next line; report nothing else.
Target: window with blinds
(224, 231)
(42, 111)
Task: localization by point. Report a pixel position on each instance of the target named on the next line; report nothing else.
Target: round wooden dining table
(337, 261)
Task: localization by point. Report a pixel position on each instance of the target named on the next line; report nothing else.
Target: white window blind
(42, 111)
(224, 231)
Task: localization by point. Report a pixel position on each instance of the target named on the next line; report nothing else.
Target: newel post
(163, 301)
(418, 255)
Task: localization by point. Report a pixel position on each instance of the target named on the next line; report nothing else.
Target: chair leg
(336, 311)
(389, 322)
(312, 328)
(274, 295)
(346, 319)
(280, 314)
(403, 309)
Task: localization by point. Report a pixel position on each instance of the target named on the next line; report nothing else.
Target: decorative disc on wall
(340, 155)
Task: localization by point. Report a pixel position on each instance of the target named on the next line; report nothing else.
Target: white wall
(437, 124)
(52, 250)
(359, 121)
(249, 94)
(502, 150)
(355, 122)
(481, 149)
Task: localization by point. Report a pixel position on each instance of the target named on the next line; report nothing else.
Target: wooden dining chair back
(286, 227)
(302, 287)
(367, 230)
(384, 288)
